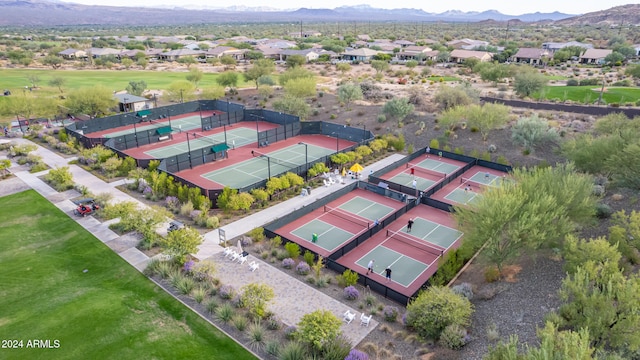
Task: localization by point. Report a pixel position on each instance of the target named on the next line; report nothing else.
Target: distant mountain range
(51, 13)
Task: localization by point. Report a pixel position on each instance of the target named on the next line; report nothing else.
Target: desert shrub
(256, 336)
(351, 293)
(60, 178)
(453, 337)
(290, 332)
(309, 258)
(348, 278)
(390, 313)
(272, 347)
(257, 234)
(185, 285)
(303, 268)
(288, 263)
(273, 324)
(186, 209)
(293, 351)
(464, 289)
(226, 292)
(240, 322)
(336, 348)
(603, 211)
(436, 308)
(199, 294)
(532, 132)
(491, 274)
(212, 305)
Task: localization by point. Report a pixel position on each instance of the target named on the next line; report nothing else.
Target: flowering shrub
(288, 263)
(195, 214)
(172, 203)
(303, 268)
(246, 241)
(290, 332)
(147, 192)
(237, 301)
(188, 266)
(390, 313)
(226, 291)
(356, 355)
(351, 293)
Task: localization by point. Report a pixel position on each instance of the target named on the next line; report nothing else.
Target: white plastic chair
(326, 183)
(235, 256)
(227, 251)
(349, 316)
(255, 266)
(243, 259)
(365, 320)
(252, 263)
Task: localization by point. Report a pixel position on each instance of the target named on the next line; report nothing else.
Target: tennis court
(429, 235)
(406, 179)
(264, 165)
(366, 208)
(405, 269)
(470, 188)
(328, 236)
(433, 167)
(184, 124)
(237, 137)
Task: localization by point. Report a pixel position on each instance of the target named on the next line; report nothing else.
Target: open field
(16, 79)
(589, 94)
(110, 311)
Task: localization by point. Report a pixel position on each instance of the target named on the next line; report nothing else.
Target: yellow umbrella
(344, 172)
(356, 168)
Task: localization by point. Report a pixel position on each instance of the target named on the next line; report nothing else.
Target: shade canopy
(356, 168)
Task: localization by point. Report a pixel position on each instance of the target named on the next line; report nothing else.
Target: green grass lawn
(589, 94)
(16, 79)
(110, 312)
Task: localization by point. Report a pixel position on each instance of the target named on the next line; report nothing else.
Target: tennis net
(159, 124)
(477, 184)
(274, 160)
(420, 244)
(199, 136)
(346, 216)
(426, 171)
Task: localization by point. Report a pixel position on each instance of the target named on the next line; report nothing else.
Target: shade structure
(356, 168)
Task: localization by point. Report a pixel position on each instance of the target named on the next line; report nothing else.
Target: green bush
(453, 336)
(348, 278)
(603, 211)
(257, 234)
(292, 249)
(309, 258)
(436, 308)
(434, 144)
(448, 267)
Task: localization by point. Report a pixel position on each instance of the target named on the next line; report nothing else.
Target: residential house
(72, 54)
(359, 43)
(279, 44)
(466, 44)
(412, 52)
(174, 55)
(458, 56)
(308, 54)
(220, 51)
(97, 53)
(531, 56)
(637, 48)
(363, 37)
(363, 54)
(403, 43)
(555, 46)
(594, 56)
(129, 102)
(386, 46)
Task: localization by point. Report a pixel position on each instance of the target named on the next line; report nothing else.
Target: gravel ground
(518, 307)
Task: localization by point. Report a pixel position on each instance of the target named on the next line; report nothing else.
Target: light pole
(189, 150)
(124, 105)
(135, 132)
(181, 98)
(306, 160)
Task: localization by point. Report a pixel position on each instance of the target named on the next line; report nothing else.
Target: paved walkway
(293, 298)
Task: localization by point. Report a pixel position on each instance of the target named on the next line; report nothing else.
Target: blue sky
(505, 7)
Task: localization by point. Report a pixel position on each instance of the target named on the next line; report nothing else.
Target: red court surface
(180, 137)
(405, 171)
(205, 113)
(457, 184)
(420, 211)
(244, 153)
(356, 229)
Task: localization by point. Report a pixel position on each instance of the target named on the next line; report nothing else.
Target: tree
(398, 108)
(255, 297)
(254, 55)
(94, 101)
(143, 63)
(182, 242)
(58, 82)
(487, 117)
(463, 94)
(589, 254)
(34, 80)
(443, 56)
(379, 66)
(348, 93)
(318, 328)
(633, 70)
(527, 81)
(615, 58)
(5, 164)
(186, 60)
(294, 73)
(292, 105)
(228, 61)
(53, 61)
(436, 308)
(624, 166)
(531, 132)
(411, 64)
(301, 87)
(261, 67)
(195, 76)
(212, 93)
(492, 72)
(343, 67)
(181, 91)
(126, 62)
(136, 87)
(294, 61)
(228, 79)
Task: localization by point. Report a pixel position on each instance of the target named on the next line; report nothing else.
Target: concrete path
(293, 298)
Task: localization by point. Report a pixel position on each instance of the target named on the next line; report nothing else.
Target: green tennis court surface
(329, 236)
(434, 167)
(404, 270)
(253, 170)
(184, 124)
(433, 232)
(470, 188)
(407, 180)
(366, 208)
(237, 136)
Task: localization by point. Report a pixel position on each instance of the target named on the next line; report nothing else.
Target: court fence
(331, 261)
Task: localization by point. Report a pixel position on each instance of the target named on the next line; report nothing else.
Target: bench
(163, 138)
